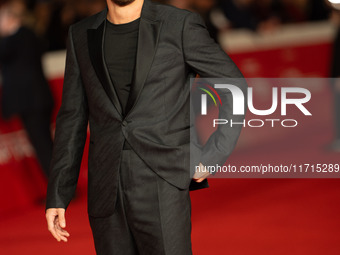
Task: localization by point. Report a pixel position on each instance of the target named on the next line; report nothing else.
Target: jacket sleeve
(70, 135)
(206, 58)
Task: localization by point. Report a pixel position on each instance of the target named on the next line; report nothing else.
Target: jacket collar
(149, 29)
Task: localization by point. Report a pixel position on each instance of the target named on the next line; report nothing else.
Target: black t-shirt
(120, 51)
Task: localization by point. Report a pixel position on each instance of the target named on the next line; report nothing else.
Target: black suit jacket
(25, 88)
(173, 46)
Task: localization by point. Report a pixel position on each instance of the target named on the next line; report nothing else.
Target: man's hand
(201, 174)
(56, 223)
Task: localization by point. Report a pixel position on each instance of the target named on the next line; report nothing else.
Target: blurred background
(265, 38)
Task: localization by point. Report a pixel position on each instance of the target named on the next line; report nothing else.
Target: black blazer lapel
(149, 29)
(96, 48)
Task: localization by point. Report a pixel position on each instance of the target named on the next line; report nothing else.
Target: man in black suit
(25, 91)
(127, 73)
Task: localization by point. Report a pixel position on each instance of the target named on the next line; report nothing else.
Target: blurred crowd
(50, 19)
(263, 16)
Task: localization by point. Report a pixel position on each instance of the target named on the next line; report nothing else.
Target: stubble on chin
(122, 2)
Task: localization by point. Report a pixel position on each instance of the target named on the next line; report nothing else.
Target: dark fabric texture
(335, 70)
(24, 87)
(120, 50)
(335, 73)
(336, 95)
(152, 217)
(173, 46)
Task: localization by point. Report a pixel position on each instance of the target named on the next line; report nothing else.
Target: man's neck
(124, 14)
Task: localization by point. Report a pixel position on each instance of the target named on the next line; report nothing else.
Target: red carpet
(234, 216)
(238, 217)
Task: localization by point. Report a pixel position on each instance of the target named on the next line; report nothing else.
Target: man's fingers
(201, 177)
(199, 180)
(61, 218)
(61, 231)
(54, 233)
(201, 174)
(50, 224)
(61, 235)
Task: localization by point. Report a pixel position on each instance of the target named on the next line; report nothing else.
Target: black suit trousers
(151, 217)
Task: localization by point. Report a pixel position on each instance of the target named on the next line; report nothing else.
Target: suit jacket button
(124, 123)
